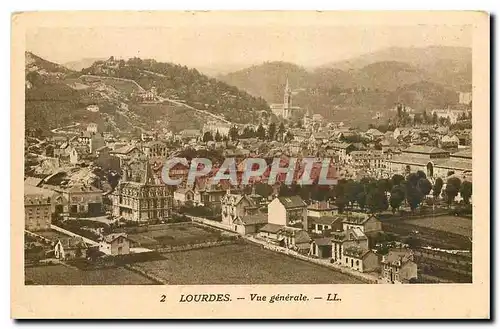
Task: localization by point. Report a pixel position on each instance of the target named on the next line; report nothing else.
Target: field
(170, 116)
(123, 86)
(63, 275)
(240, 264)
(452, 224)
(174, 235)
(446, 232)
(52, 235)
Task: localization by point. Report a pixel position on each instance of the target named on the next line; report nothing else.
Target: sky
(212, 46)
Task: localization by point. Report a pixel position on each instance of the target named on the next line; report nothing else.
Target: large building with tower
(285, 110)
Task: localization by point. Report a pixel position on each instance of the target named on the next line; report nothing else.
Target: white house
(287, 211)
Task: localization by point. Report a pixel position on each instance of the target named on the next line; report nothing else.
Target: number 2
(162, 298)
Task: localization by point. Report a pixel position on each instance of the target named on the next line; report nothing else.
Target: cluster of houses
(317, 230)
(313, 228)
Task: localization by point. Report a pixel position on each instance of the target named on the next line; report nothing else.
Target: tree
(434, 118)
(264, 190)
(271, 131)
(412, 179)
(285, 190)
(288, 136)
(376, 201)
(207, 137)
(397, 179)
(424, 186)
(421, 174)
(361, 199)
(281, 130)
(384, 185)
(397, 198)
(466, 191)
(233, 133)
(218, 137)
(261, 132)
(341, 202)
(438, 186)
(352, 189)
(452, 189)
(413, 197)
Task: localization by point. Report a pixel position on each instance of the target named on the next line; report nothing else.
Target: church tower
(287, 102)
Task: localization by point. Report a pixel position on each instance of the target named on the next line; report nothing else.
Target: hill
(56, 97)
(82, 63)
(357, 89)
(268, 79)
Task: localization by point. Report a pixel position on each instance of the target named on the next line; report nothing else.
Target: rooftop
(292, 201)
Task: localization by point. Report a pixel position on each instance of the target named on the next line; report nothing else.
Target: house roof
(424, 149)
(292, 201)
(254, 219)
(352, 234)
(37, 192)
(322, 205)
(323, 241)
(125, 149)
(302, 237)
(73, 243)
(357, 220)
(271, 228)
(113, 236)
(323, 220)
(356, 252)
(83, 188)
(397, 257)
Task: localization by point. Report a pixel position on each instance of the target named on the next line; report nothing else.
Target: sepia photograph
(210, 151)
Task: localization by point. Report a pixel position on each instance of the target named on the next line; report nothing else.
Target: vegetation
(180, 82)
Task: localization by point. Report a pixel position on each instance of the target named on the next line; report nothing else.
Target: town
(97, 210)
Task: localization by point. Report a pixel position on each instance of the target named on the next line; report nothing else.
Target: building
(70, 248)
(321, 209)
(360, 259)
(346, 239)
(155, 149)
(465, 97)
(249, 224)
(366, 224)
(234, 207)
(398, 266)
(270, 231)
(183, 196)
(38, 208)
(215, 126)
(324, 224)
(295, 238)
(80, 199)
(126, 152)
(416, 157)
(190, 135)
(115, 244)
(285, 110)
(92, 128)
(321, 248)
(93, 108)
(343, 150)
(433, 161)
(371, 159)
(449, 114)
(143, 200)
(288, 211)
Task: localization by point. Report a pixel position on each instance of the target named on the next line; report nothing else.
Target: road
(58, 130)
(162, 99)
